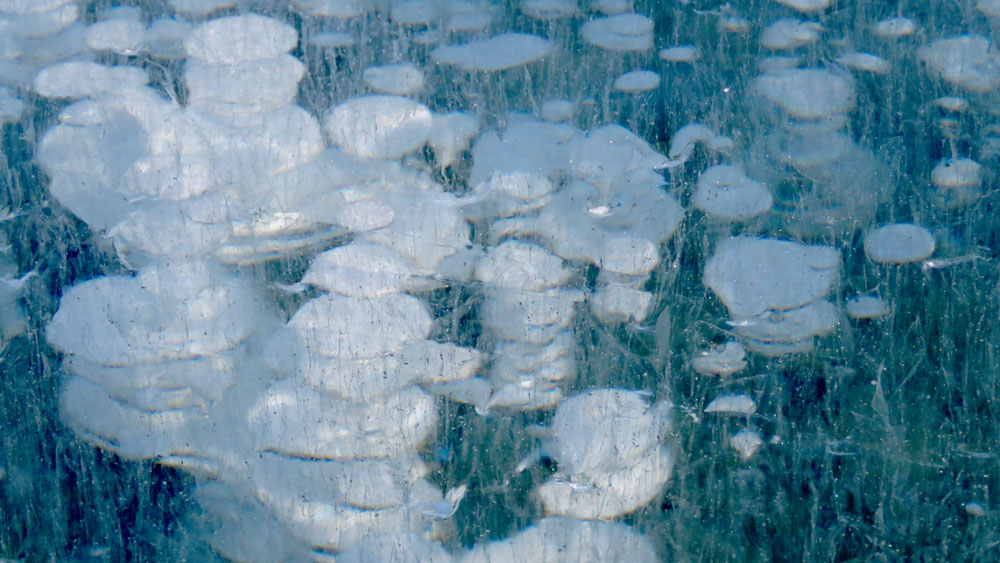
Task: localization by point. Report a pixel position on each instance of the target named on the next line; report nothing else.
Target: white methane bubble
(620, 32)
(637, 81)
(899, 243)
(502, 51)
(467, 280)
(790, 34)
(726, 193)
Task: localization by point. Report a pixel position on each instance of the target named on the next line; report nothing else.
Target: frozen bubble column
(304, 434)
(608, 444)
(774, 291)
(971, 63)
(35, 35)
(837, 184)
(529, 316)
(587, 198)
(166, 364)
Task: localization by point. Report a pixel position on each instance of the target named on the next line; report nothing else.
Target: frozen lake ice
(535, 280)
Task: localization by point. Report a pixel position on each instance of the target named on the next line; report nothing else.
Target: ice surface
(339, 299)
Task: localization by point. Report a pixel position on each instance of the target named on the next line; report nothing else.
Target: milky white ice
(990, 8)
(167, 362)
(305, 433)
(527, 308)
(450, 134)
(899, 243)
(556, 110)
(150, 318)
(82, 79)
(685, 139)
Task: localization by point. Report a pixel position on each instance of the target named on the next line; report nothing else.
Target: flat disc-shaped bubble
(808, 93)
(637, 81)
(496, 53)
(621, 303)
(611, 493)
(724, 191)
(899, 243)
(521, 265)
(207, 376)
(968, 61)
(806, 5)
(378, 126)
(604, 428)
(957, 173)
(894, 28)
(792, 325)
(348, 327)
(680, 54)
(867, 307)
(115, 321)
(752, 275)
(399, 79)
(366, 484)
(269, 83)
(732, 404)
(620, 32)
(789, 34)
(724, 360)
(295, 419)
(863, 61)
(123, 36)
(82, 79)
(128, 431)
(568, 540)
(237, 39)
